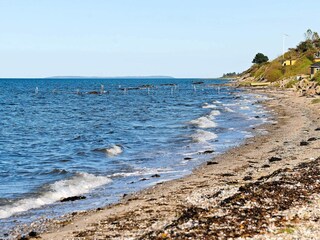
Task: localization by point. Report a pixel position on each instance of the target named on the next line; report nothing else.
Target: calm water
(55, 143)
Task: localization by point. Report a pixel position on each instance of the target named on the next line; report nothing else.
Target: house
(314, 68)
(317, 57)
(288, 62)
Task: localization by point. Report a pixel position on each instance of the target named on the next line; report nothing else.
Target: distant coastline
(116, 77)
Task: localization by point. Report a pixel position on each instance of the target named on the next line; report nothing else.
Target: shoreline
(148, 212)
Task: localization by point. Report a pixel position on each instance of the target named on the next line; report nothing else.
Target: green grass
(288, 229)
(274, 71)
(315, 101)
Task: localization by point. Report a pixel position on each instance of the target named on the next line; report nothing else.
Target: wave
(113, 150)
(215, 113)
(81, 183)
(203, 136)
(203, 122)
(227, 109)
(206, 105)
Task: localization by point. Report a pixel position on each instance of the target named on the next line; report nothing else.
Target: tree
(260, 58)
(308, 34)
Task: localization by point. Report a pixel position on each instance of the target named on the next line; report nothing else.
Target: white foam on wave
(114, 150)
(81, 183)
(203, 136)
(227, 109)
(215, 113)
(203, 122)
(206, 105)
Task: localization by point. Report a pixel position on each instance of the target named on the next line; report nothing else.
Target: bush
(260, 58)
(305, 46)
(316, 78)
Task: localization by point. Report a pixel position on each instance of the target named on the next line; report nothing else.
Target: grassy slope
(274, 71)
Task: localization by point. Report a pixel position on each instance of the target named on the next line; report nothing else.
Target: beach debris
(247, 178)
(212, 163)
(275, 159)
(254, 209)
(317, 129)
(73, 198)
(312, 139)
(227, 175)
(304, 143)
(265, 166)
(33, 234)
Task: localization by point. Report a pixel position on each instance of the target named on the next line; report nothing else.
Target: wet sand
(256, 190)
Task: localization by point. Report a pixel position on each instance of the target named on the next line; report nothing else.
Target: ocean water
(57, 140)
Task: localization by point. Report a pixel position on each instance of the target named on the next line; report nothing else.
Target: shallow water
(56, 140)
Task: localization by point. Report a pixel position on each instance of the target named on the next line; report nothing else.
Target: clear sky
(180, 38)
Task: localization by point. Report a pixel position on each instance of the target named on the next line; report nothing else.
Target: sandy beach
(267, 188)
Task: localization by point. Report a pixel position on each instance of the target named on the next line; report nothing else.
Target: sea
(101, 138)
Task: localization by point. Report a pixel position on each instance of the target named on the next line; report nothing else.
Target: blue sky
(180, 38)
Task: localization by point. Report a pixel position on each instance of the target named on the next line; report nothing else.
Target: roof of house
(315, 65)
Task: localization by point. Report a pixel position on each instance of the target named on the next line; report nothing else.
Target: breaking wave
(204, 122)
(203, 136)
(81, 183)
(113, 150)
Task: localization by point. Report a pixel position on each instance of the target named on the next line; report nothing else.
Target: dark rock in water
(211, 163)
(197, 83)
(155, 175)
(94, 92)
(99, 209)
(304, 143)
(247, 178)
(207, 152)
(265, 166)
(317, 129)
(143, 179)
(312, 139)
(257, 116)
(71, 199)
(146, 86)
(187, 158)
(275, 159)
(124, 195)
(77, 138)
(168, 84)
(33, 234)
